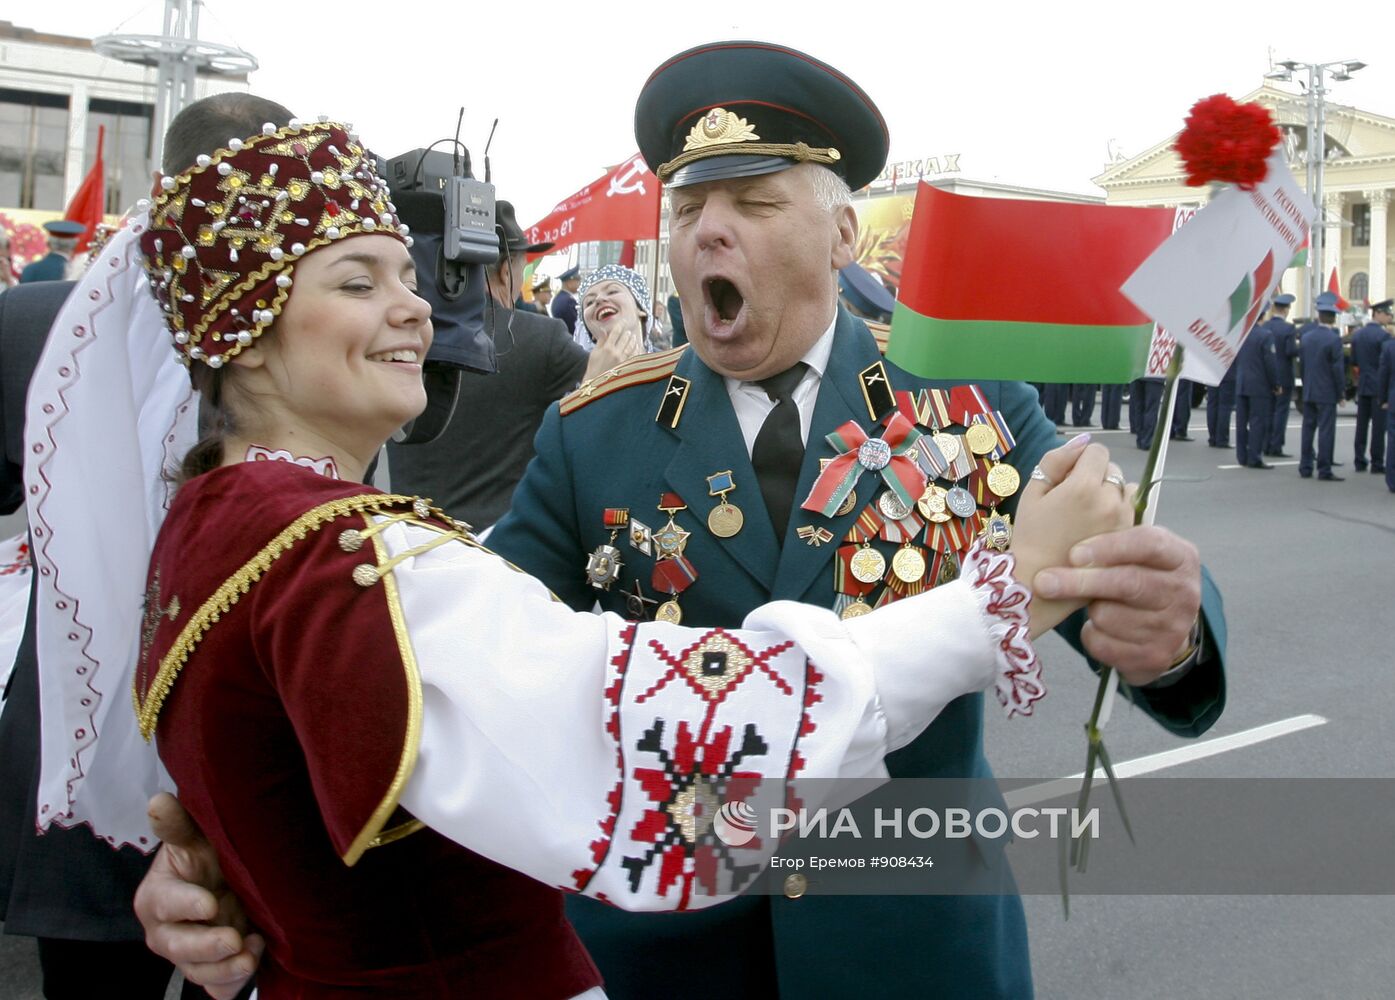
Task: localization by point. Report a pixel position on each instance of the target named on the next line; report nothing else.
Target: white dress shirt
(752, 405)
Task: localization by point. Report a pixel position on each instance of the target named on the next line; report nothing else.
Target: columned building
(1357, 183)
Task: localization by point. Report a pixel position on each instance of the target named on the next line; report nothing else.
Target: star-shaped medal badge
(670, 540)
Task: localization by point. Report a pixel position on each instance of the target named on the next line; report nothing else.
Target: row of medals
(937, 505)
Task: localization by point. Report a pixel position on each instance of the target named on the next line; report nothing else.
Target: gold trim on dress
(231, 591)
(372, 833)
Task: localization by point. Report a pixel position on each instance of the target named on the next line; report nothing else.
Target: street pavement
(1308, 573)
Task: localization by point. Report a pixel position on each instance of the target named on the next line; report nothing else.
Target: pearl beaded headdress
(224, 235)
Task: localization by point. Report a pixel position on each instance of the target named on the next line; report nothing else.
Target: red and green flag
(998, 288)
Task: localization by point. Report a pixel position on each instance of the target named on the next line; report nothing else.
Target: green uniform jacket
(612, 452)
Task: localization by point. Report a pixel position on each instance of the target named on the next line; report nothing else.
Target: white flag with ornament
(1208, 282)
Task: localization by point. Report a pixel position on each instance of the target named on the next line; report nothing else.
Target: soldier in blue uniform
(1082, 403)
(680, 441)
(1285, 349)
(1324, 380)
(865, 296)
(1257, 388)
(1366, 346)
(62, 243)
(1150, 393)
(1111, 406)
(564, 304)
(1182, 411)
(1385, 398)
(1054, 397)
(1220, 406)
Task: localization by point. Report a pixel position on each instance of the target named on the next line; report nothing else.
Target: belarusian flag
(997, 288)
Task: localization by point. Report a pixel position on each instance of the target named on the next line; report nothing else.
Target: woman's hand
(621, 344)
(1078, 494)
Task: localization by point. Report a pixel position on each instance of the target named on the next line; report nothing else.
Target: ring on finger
(1041, 476)
(1118, 480)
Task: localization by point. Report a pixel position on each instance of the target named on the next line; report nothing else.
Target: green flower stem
(1095, 749)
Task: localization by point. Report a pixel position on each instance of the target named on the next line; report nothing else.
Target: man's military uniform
(658, 442)
(1285, 337)
(1370, 418)
(651, 434)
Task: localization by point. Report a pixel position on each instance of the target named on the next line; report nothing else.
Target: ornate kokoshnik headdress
(225, 235)
(110, 416)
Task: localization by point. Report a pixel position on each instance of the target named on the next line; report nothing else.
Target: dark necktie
(779, 448)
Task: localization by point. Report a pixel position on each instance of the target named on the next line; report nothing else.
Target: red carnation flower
(1226, 141)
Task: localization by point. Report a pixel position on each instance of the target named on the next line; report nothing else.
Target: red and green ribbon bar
(999, 288)
(894, 460)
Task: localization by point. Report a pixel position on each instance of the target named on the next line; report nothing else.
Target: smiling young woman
(398, 744)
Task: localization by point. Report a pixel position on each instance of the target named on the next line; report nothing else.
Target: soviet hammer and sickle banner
(623, 204)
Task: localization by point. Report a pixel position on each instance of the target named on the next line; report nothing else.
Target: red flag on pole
(86, 206)
(1335, 287)
(621, 205)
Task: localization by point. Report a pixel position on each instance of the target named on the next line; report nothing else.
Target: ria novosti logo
(735, 824)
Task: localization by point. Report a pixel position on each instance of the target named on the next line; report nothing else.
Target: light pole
(178, 55)
(1316, 153)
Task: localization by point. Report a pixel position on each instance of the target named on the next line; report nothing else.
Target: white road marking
(1276, 464)
(1070, 784)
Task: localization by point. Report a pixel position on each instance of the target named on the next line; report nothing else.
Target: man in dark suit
(1324, 381)
(1285, 350)
(1385, 398)
(1111, 405)
(1366, 345)
(1256, 389)
(759, 287)
(564, 304)
(62, 243)
(470, 471)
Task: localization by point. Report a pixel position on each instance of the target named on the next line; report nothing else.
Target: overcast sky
(1036, 94)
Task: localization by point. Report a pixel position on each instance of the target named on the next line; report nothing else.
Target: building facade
(56, 94)
(1358, 182)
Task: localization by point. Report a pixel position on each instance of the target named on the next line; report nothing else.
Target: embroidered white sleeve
(594, 754)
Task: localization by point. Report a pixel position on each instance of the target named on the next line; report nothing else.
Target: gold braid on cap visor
(723, 133)
(224, 236)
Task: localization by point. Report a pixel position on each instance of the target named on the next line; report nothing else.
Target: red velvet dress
(287, 734)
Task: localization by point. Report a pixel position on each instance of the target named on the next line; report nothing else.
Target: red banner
(86, 206)
(621, 205)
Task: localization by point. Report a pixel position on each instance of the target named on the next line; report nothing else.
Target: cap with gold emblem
(741, 109)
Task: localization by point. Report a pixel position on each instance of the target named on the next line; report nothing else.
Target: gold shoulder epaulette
(637, 371)
(882, 332)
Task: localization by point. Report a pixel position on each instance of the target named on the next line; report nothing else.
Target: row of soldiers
(1262, 382)
(1259, 392)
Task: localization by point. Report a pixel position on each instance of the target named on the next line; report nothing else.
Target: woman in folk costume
(398, 744)
(613, 306)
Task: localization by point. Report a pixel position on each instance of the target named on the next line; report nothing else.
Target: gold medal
(856, 609)
(1004, 480)
(948, 445)
(939, 517)
(981, 439)
(932, 501)
(669, 612)
(949, 570)
(725, 520)
(868, 565)
(847, 505)
(908, 564)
